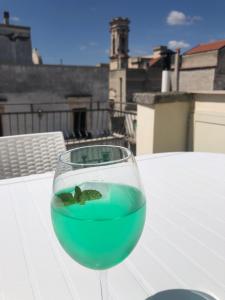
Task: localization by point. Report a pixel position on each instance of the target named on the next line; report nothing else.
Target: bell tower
(119, 28)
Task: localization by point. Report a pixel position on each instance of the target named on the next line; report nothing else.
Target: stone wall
(133, 81)
(136, 82)
(47, 88)
(200, 60)
(195, 80)
(15, 45)
(154, 80)
(198, 72)
(143, 81)
(52, 83)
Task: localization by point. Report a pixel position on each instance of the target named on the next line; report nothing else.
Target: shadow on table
(180, 294)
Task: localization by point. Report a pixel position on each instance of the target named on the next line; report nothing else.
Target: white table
(183, 245)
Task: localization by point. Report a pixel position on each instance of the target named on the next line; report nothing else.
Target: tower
(119, 28)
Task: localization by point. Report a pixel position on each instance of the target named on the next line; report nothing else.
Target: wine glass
(98, 206)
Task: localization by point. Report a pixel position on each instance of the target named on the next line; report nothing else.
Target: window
(123, 45)
(113, 46)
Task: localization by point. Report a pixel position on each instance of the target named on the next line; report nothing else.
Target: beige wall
(113, 65)
(196, 124)
(117, 79)
(209, 122)
(208, 135)
(163, 127)
(145, 129)
(171, 126)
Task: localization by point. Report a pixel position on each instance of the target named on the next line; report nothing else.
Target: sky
(77, 32)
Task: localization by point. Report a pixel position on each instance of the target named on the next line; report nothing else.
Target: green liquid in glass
(101, 233)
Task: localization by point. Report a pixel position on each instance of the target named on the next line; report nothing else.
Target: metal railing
(101, 124)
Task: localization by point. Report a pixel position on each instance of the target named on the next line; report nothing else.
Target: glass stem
(104, 285)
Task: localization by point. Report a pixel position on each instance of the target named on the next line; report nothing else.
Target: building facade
(27, 86)
(202, 68)
(15, 43)
(129, 75)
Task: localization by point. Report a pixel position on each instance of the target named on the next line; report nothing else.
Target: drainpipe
(177, 70)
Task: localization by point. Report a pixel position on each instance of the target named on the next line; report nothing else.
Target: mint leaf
(77, 194)
(66, 198)
(80, 197)
(88, 195)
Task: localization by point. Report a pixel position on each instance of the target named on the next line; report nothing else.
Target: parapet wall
(171, 122)
(52, 83)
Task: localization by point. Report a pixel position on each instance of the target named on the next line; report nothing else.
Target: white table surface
(183, 244)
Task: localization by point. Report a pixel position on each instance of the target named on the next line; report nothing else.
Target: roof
(206, 47)
(11, 26)
(153, 61)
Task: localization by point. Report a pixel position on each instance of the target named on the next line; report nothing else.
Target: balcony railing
(101, 124)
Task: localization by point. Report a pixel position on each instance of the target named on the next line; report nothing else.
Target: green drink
(102, 232)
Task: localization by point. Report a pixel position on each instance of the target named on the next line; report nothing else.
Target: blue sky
(77, 31)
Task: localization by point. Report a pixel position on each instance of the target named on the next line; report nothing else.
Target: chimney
(166, 76)
(6, 18)
(159, 50)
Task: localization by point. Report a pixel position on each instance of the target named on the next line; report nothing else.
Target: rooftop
(6, 22)
(14, 26)
(217, 45)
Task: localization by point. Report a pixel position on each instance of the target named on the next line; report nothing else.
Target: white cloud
(178, 44)
(176, 18)
(15, 19)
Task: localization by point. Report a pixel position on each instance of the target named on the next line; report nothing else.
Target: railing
(81, 125)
